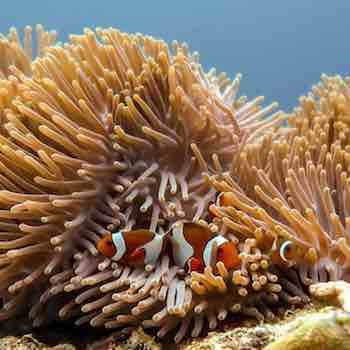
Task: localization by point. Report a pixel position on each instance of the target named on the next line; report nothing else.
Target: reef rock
(321, 327)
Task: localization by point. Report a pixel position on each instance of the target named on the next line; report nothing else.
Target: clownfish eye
(109, 243)
(285, 250)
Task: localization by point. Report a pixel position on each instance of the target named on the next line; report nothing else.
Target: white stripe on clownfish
(182, 250)
(120, 245)
(219, 240)
(153, 249)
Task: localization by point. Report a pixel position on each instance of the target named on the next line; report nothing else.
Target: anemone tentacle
(114, 131)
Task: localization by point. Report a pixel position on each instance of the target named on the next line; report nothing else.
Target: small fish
(134, 248)
(225, 199)
(193, 245)
(284, 254)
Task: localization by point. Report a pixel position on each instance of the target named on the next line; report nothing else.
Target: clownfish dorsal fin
(119, 244)
(182, 250)
(197, 234)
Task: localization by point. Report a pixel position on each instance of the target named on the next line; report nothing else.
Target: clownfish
(283, 256)
(193, 244)
(134, 248)
(225, 199)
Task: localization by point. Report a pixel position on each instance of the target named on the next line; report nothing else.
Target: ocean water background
(280, 47)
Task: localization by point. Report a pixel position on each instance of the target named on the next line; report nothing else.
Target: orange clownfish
(284, 255)
(135, 248)
(225, 199)
(193, 244)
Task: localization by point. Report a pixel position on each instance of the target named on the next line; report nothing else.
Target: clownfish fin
(195, 265)
(138, 255)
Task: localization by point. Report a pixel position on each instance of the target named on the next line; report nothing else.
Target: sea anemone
(110, 132)
(14, 53)
(294, 195)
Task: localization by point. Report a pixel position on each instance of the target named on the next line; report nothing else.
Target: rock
(28, 342)
(325, 329)
(319, 327)
(317, 331)
(333, 293)
(135, 340)
(242, 338)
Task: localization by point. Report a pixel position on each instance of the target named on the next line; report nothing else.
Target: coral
(114, 131)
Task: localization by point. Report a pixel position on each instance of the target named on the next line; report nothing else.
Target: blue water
(281, 47)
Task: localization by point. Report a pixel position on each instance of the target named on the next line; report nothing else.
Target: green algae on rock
(326, 330)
